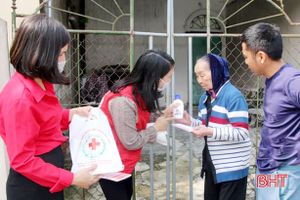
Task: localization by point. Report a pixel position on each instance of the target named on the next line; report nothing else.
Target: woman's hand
(82, 111)
(201, 131)
(161, 123)
(185, 120)
(168, 112)
(84, 178)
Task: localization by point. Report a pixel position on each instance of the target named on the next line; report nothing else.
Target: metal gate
(99, 57)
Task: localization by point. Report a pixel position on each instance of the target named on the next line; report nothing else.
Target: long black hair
(36, 48)
(145, 76)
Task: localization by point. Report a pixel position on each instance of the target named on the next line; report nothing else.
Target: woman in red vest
(128, 106)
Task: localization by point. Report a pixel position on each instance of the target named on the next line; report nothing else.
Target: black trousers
(231, 190)
(117, 190)
(18, 187)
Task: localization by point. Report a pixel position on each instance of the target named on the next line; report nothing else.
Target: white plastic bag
(92, 141)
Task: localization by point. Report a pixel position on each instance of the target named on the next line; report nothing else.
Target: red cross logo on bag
(94, 144)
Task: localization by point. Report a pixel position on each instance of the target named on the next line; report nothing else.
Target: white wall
(4, 78)
(23, 7)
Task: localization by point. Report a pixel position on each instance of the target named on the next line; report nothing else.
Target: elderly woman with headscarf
(223, 123)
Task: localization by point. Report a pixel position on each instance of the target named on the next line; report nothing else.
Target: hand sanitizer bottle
(178, 111)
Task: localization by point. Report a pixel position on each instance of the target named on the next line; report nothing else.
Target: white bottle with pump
(179, 109)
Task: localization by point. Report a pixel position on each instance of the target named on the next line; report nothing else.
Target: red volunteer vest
(129, 157)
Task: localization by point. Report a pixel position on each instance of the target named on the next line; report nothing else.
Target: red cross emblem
(94, 144)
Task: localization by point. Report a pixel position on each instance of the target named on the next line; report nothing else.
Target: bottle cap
(177, 96)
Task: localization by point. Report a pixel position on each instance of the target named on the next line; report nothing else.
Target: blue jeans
(288, 185)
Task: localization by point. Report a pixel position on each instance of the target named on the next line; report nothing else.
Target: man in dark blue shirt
(279, 150)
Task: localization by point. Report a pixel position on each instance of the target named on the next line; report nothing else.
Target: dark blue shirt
(280, 134)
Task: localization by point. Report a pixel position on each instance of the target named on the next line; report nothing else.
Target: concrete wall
(152, 16)
(182, 10)
(109, 50)
(149, 16)
(263, 8)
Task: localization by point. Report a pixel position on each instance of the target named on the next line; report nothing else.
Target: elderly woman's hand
(201, 131)
(185, 120)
